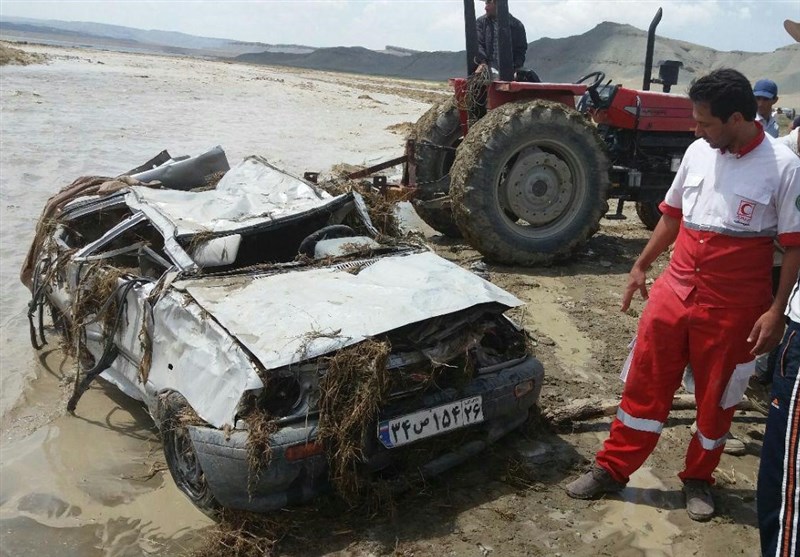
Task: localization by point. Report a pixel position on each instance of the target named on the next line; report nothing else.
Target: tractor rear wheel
(530, 183)
(437, 133)
(648, 213)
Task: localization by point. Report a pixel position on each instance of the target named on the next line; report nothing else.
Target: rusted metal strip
(377, 168)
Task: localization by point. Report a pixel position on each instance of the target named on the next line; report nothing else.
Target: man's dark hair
(726, 91)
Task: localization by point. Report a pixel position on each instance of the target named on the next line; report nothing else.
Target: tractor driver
(488, 39)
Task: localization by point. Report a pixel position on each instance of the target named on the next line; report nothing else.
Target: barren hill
(616, 49)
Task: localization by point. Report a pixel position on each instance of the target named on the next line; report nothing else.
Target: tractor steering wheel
(591, 88)
(598, 79)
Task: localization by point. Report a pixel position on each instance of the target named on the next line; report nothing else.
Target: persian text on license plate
(433, 421)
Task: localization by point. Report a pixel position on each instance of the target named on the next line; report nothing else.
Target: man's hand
(637, 280)
(767, 332)
(665, 233)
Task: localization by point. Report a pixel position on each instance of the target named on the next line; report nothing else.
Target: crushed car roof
(251, 193)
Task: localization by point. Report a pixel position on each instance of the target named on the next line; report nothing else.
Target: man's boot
(699, 502)
(593, 483)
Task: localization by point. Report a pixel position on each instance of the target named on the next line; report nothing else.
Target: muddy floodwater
(95, 484)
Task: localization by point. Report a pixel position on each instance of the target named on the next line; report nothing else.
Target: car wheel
(181, 456)
(529, 183)
(437, 132)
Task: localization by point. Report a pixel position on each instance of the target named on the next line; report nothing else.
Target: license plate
(429, 422)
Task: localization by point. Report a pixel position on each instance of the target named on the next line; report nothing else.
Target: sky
(429, 25)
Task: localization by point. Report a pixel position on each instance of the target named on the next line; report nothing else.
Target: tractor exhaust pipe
(506, 64)
(648, 57)
(471, 35)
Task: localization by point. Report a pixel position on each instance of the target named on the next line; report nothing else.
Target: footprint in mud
(43, 504)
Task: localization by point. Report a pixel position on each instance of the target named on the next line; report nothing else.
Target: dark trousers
(779, 473)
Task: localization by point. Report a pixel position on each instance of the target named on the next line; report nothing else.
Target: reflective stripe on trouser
(778, 491)
(673, 332)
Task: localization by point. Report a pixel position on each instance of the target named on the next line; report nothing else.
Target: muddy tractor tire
(437, 133)
(180, 454)
(648, 213)
(530, 183)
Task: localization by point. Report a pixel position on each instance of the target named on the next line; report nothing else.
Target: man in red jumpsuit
(735, 191)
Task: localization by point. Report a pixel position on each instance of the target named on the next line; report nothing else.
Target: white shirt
(790, 141)
(750, 195)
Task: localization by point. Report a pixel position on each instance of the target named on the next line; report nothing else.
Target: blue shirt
(770, 126)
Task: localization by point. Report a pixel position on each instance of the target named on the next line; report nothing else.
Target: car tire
(648, 213)
(440, 126)
(529, 183)
(181, 457)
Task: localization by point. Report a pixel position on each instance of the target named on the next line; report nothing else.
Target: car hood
(286, 318)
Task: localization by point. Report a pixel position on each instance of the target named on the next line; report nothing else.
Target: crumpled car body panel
(341, 307)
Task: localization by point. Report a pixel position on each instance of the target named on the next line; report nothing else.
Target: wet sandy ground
(95, 484)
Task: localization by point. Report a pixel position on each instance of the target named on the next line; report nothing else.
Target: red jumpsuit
(701, 310)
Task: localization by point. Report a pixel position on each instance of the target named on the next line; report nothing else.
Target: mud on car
(275, 335)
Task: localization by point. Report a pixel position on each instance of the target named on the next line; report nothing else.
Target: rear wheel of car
(530, 183)
(648, 213)
(437, 133)
(181, 456)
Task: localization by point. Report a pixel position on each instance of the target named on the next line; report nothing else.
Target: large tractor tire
(530, 183)
(437, 133)
(648, 213)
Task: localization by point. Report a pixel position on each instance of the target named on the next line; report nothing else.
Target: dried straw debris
(260, 427)
(352, 392)
(242, 534)
(381, 209)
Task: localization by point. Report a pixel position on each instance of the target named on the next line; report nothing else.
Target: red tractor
(528, 182)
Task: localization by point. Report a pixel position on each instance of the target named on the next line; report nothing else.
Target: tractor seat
(528, 76)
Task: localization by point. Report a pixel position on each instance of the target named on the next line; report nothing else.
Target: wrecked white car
(276, 337)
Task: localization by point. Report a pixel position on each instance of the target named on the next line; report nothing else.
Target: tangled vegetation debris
(352, 392)
(260, 427)
(381, 208)
(94, 298)
(242, 534)
(99, 297)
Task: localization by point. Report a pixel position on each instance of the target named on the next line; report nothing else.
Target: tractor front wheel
(437, 133)
(529, 183)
